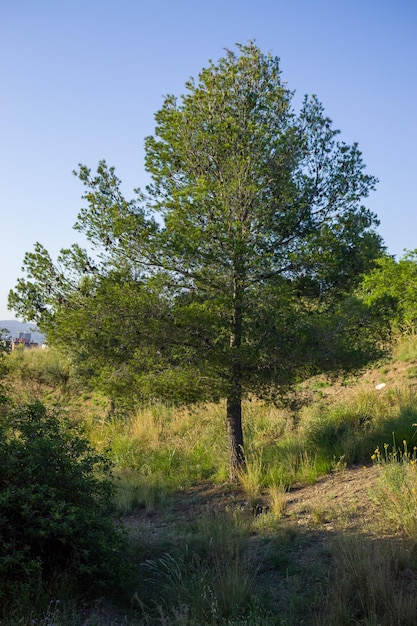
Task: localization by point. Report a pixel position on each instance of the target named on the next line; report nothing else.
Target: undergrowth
(217, 569)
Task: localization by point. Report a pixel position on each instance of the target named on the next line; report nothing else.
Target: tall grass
(396, 490)
(39, 374)
(371, 583)
(251, 480)
(405, 349)
(159, 448)
(277, 500)
(202, 571)
(209, 579)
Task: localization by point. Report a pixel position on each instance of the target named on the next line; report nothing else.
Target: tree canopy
(390, 289)
(234, 273)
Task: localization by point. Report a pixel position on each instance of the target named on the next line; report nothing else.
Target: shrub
(55, 493)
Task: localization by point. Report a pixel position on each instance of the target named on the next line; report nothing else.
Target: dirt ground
(340, 497)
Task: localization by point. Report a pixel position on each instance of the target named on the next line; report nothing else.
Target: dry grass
(290, 541)
(370, 583)
(277, 500)
(250, 479)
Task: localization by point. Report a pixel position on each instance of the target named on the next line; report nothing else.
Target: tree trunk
(234, 433)
(234, 397)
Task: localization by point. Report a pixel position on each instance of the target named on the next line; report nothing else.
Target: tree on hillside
(391, 289)
(234, 274)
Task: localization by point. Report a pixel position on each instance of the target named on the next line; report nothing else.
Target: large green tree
(234, 273)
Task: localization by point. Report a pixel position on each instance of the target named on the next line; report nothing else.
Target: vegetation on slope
(250, 265)
(316, 532)
(236, 272)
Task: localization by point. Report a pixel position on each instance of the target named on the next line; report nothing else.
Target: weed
(250, 480)
(397, 490)
(319, 515)
(339, 466)
(277, 500)
(321, 384)
(371, 583)
(412, 372)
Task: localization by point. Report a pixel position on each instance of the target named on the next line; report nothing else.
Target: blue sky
(81, 81)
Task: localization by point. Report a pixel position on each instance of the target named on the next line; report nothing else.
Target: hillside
(317, 532)
(331, 552)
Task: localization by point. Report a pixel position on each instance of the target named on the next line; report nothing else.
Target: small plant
(321, 384)
(339, 466)
(277, 500)
(319, 516)
(251, 479)
(412, 372)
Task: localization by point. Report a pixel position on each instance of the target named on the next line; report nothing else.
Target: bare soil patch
(340, 497)
(335, 499)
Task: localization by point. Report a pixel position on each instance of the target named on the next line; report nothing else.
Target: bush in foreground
(55, 493)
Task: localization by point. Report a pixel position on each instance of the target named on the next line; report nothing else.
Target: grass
(207, 577)
(406, 349)
(251, 479)
(369, 583)
(277, 500)
(208, 553)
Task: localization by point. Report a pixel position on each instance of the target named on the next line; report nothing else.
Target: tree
(231, 275)
(390, 288)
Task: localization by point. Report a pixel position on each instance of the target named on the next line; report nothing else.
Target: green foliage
(234, 275)
(340, 431)
(405, 349)
(204, 567)
(4, 350)
(159, 448)
(265, 197)
(55, 495)
(390, 289)
(5, 341)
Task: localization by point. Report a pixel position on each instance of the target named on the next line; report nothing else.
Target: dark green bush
(55, 495)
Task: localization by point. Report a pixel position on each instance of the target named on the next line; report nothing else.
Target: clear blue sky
(81, 80)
